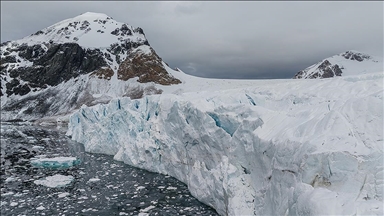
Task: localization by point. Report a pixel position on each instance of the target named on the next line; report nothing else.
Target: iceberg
(287, 147)
(55, 163)
(55, 181)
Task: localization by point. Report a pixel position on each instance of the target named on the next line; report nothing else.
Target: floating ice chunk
(55, 181)
(9, 179)
(61, 195)
(18, 195)
(147, 209)
(171, 188)
(55, 163)
(140, 187)
(14, 204)
(93, 180)
(40, 208)
(7, 194)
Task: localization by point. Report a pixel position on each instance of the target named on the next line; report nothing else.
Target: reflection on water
(102, 186)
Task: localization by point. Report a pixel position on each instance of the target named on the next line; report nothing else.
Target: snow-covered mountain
(343, 64)
(87, 59)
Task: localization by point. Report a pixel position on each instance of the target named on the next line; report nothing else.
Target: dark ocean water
(120, 190)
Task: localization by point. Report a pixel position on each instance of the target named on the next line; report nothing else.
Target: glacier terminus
(281, 147)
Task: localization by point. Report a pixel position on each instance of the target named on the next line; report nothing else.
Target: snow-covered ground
(270, 147)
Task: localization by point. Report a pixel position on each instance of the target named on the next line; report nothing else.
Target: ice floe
(55, 163)
(55, 181)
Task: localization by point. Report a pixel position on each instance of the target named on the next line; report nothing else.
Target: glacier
(271, 147)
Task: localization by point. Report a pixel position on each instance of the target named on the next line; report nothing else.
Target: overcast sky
(225, 39)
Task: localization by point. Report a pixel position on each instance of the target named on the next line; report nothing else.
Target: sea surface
(101, 186)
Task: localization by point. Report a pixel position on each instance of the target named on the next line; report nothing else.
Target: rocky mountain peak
(355, 55)
(347, 63)
(89, 30)
(93, 46)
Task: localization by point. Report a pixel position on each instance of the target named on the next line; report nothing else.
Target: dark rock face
(330, 72)
(148, 68)
(59, 63)
(355, 56)
(8, 59)
(117, 49)
(324, 70)
(122, 31)
(139, 30)
(31, 52)
(299, 75)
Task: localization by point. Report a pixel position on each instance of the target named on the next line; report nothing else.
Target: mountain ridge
(351, 62)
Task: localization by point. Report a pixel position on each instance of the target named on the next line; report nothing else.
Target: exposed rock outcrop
(355, 56)
(324, 70)
(50, 66)
(146, 66)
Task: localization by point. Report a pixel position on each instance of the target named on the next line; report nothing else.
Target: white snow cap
(89, 30)
(92, 15)
(351, 62)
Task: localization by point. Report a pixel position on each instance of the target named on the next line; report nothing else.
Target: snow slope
(344, 64)
(89, 30)
(262, 147)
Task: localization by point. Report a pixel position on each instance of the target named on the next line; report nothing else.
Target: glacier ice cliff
(287, 147)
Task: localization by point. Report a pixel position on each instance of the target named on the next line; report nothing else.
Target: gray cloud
(225, 39)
